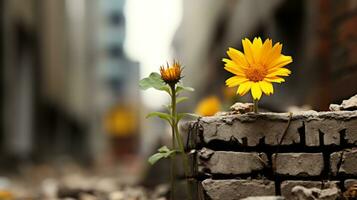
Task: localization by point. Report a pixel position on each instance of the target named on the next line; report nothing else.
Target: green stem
(173, 158)
(255, 108)
(179, 139)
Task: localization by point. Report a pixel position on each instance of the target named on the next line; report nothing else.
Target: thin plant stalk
(176, 134)
(173, 166)
(255, 108)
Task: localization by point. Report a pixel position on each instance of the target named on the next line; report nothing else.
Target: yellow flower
(256, 69)
(208, 106)
(172, 74)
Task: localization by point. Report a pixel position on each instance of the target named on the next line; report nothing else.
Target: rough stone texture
(349, 182)
(303, 193)
(298, 164)
(265, 127)
(349, 104)
(228, 162)
(265, 198)
(344, 162)
(351, 132)
(252, 129)
(237, 189)
(287, 186)
(328, 127)
(242, 107)
(331, 125)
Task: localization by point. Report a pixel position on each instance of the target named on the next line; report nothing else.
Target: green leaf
(163, 152)
(181, 99)
(180, 88)
(154, 158)
(163, 149)
(182, 115)
(161, 115)
(154, 81)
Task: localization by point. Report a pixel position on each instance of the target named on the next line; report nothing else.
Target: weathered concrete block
(303, 193)
(344, 162)
(331, 124)
(298, 164)
(287, 186)
(254, 128)
(228, 162)
(351, 131)
(328, 127)
(233, 189)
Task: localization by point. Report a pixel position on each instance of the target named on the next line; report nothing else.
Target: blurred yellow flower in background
(256, 69)
(208, 106)
(6, 195)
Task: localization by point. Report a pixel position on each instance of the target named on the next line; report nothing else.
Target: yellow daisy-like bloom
(171, 74)
(260, 66)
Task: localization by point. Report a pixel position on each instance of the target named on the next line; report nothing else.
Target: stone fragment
(344, 162)
(298, 164)
(303, 193)
(349, 182)
(287, 186)
(351, 189)
(265, 198)
(334, 107)
(241, 108)
(228, 162)
(349, 104)
(233, 189)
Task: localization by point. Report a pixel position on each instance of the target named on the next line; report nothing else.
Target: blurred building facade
(63, 69)
(315, 33)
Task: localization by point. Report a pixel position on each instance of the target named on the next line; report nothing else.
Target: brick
(298, 164)
(228, 162)
(266, 127)
(233, 189)
(351, 132)
(287, 186)
(330, 124)
(328, 127)
(344, 162)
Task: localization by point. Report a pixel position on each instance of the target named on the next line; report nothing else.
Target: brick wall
(264, 154)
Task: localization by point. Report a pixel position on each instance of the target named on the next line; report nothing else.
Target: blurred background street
(72, 114)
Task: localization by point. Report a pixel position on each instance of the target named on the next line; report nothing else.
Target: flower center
(256, 73)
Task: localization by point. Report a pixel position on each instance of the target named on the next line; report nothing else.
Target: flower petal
(266, 87)
(235, 80)
(238, 57)
(256, 91)
(233, 67)
(274, 54)
(267, 46)
(279, 72)
(244, 88)
(280, 62)
(257, 48)
(274, 79)
(247, 46)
